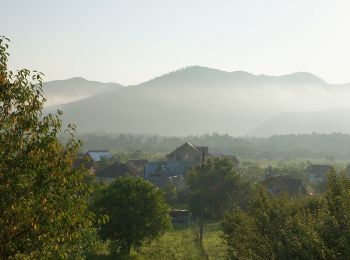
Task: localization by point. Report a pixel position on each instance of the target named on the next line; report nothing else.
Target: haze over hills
(59, 92)
(197, 100)
(324, 121)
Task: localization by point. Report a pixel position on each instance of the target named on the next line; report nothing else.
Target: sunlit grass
(213, 243)
(179, 243)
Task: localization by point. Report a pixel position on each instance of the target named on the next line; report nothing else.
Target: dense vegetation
(287, 147)
(43, 201)
(292, 228)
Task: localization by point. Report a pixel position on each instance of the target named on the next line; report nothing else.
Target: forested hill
(197, 100)
(310, 146)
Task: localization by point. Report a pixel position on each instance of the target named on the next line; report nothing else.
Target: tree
(272, 228)
(43, 201)
(283, 227)
(137, 213)
(213, 187)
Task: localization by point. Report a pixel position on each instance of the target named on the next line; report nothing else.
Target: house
(117, 169)
(286, 184)
(317, 172)
(178, 163)
(193, 155)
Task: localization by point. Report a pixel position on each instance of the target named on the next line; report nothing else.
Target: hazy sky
(131, 41)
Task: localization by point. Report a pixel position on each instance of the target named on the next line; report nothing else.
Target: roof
(97, 155)
(114, 170)
(186, 144)
(286, 184)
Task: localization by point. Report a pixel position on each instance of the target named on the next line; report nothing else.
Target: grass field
(181, 243)
(213, 243)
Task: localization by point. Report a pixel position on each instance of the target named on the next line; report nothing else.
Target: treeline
(289, 147)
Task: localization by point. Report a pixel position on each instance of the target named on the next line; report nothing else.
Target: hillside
(199, 100)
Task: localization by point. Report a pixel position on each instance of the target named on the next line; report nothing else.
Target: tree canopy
(214, 187)
(43, 201)
(137, 213)
(292, 228)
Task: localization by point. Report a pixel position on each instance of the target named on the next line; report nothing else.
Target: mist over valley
(196, 100)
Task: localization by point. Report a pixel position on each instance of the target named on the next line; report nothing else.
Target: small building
(286, 184)
(317, 172)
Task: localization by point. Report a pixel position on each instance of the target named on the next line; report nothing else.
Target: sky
(131, 41)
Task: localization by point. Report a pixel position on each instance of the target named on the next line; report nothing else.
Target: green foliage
(137, 213)
(214, 187)
(43, 201)
(170, 193)
(292, 228)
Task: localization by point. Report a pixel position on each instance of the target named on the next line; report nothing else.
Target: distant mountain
(60, 92)
(324, 121)
(197, 100)
(202, 76)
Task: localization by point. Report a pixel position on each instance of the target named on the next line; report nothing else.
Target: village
(173, 170)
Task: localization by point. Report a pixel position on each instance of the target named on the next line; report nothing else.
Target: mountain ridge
(196, 100)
